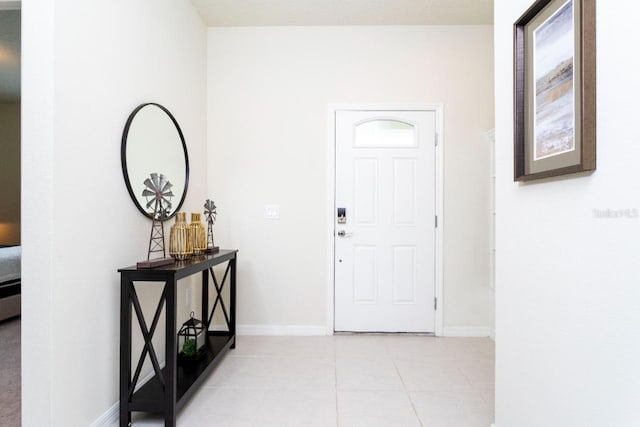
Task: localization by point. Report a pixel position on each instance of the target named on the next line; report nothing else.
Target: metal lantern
(191, 338)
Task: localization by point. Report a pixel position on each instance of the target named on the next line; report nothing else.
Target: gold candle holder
(198, 234)
(180, 243)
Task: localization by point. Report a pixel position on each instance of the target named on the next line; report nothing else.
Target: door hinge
(436, 139)
(436, 221)
(435, 303)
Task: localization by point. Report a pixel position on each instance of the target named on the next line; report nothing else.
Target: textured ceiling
(226, 13)
(9, 55)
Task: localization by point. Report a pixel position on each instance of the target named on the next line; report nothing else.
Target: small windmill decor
(210, 213)
(158, 195)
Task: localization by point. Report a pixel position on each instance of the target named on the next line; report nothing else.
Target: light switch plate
(272, 212)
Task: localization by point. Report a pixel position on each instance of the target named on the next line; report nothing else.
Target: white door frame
(438, 109)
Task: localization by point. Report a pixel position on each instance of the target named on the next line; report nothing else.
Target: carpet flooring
(10, 373)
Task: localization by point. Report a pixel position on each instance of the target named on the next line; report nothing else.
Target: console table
(170, 388)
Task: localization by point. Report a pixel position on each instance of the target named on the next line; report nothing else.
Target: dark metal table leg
(170, 356)
(232, 302)
(125, 350)
(205, 299)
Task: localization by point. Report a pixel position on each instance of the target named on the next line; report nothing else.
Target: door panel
(404, 191)
(365, 173)
(364, 274)
(404, 274)
(385, 252)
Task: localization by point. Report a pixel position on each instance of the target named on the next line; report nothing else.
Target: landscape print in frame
(554, 123)
(554, 101)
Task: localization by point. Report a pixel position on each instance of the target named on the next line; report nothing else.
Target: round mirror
(153, 152)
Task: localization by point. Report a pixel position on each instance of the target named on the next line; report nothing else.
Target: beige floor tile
(369, 408)
(346, 380)
(478, 377)
(414, 347)
(284, 347)
(262, 407)
(489, 396)
(362, 345)
(431, 376)
(367, 374)
(452, 409)
(312, 407)
(266, 372)
(230, 403)
(195, 420)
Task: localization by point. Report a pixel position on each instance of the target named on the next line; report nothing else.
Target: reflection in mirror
(152, 143)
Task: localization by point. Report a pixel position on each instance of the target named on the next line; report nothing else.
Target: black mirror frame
(123, 159)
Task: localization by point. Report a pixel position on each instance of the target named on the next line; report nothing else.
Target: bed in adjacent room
(10, 281)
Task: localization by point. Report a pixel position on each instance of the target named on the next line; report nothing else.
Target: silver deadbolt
(342, 233)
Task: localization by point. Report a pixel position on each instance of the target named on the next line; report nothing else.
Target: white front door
(385, 221)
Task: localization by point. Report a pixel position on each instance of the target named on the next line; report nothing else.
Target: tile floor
(346, 380)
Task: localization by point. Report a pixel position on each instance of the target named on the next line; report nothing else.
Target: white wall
(568, 341)
(86, 65)
(10, 173)
(268, 94)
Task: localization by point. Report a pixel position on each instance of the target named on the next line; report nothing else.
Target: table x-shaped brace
(147, 334)
(219, 288)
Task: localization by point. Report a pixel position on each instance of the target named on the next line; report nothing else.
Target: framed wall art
(555, 89)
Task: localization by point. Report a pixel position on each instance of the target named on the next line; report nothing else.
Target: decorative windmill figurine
(211, 213)
(158, 194)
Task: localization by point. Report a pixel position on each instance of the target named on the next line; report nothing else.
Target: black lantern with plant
(191, 338)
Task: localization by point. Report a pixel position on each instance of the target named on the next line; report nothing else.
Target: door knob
(342, 233)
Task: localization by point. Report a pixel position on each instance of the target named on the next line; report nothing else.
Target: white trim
(491, 139)
(439, 253)
(438, 109)
(111, 415)
(331, 203)
(467, 331)
(109, 418)
(282, 330)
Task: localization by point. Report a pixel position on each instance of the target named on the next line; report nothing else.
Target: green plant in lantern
(189, 347)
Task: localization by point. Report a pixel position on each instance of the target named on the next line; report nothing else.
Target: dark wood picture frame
(582, 157)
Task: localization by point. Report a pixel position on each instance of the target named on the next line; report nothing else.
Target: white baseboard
(288, 330)
(111, 417)
(466, 331)
(310, 330)
(492, 335)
